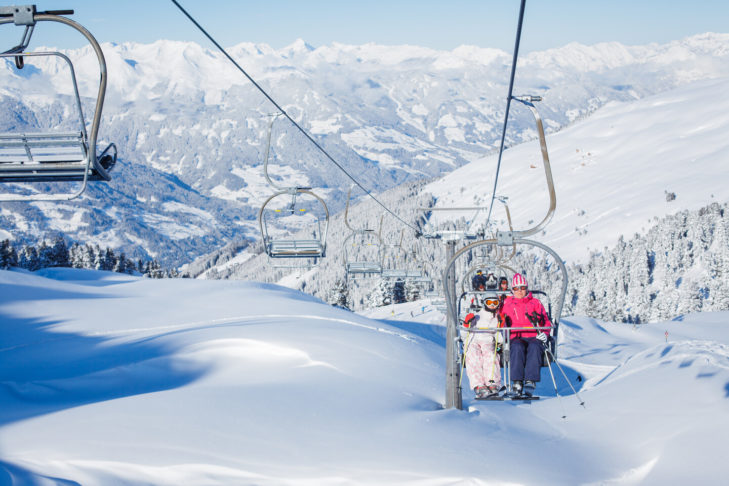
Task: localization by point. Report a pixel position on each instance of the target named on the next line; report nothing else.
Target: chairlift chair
(397, 263)
(511, 238)
(362, 254)
(362, 249)
(394, 264)
(278, 214)
(277, 246)
(53, 156)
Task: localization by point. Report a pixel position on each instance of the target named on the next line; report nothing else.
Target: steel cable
(508, 106)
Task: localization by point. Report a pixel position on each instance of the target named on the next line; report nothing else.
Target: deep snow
(111, 379)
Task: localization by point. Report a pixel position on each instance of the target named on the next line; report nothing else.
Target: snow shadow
(430, 332)
(564, 376)
(44, 371)
(12, 474)
(22, 293)
(85, 277)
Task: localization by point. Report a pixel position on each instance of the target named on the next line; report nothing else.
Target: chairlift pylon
(53, 156)
(286, 202)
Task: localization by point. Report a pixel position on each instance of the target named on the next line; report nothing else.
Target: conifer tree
(8, 258)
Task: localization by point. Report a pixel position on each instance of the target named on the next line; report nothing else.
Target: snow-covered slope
(191, 129)
(614, 172)
(109, 379)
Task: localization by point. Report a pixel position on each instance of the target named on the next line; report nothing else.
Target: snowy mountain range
(191, 130)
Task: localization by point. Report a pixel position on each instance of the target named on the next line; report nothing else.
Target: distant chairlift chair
(57, 156)
(396, 264)
(361, 250)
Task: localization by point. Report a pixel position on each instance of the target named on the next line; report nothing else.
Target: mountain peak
(299, 46)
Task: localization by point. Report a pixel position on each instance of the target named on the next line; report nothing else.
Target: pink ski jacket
(515, 313)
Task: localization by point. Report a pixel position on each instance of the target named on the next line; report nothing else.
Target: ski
(523, 398)
(493, 396)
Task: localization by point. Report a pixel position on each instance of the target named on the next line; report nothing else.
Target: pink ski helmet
(518, 281)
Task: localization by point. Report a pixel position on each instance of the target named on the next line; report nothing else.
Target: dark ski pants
(525, 359)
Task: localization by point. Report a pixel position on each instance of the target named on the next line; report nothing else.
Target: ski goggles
(490, 302)
(521, 287)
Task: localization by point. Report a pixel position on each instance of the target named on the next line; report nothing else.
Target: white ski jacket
(485, 325)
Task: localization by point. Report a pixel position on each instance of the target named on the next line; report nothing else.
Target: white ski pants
(482, 363)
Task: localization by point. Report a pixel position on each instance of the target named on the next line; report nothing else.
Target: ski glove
(542, 337)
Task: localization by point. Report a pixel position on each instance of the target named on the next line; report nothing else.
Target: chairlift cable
(508, 105)
(283, 112)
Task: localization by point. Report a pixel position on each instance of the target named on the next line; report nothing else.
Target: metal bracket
(504, 238)
(22, 14)
(527, 98)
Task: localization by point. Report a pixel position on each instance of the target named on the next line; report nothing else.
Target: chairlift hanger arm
(361, 230)
(291, 190)
(528, 102)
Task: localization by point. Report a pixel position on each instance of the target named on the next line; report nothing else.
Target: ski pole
(582, 402)
(494, 357)
(554, 382)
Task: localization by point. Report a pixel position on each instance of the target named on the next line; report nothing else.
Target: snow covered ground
(111, 379)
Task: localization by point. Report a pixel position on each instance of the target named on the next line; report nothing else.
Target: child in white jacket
(482, 360)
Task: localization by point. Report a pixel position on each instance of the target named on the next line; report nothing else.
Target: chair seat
(43, 157)
(295, 248)
(364, 267)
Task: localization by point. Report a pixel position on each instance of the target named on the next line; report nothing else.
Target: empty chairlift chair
(362, 254)
(361, 250)
(300, 203)
(289, 212)
(68, 155)
(396, 262)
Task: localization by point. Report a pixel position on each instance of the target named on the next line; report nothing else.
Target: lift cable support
(56, 156)
(362, 249)
(295, 124)
(300, 202)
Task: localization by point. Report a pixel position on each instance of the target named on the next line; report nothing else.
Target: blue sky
(438, 24)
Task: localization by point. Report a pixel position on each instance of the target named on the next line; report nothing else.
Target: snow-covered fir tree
(679, 266)
(58, 254)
